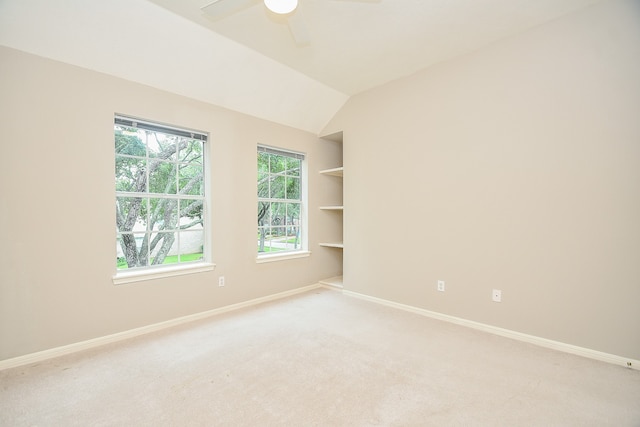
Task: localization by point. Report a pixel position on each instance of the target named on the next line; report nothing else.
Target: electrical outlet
(441, 285)
(221, 281)
(496, 295)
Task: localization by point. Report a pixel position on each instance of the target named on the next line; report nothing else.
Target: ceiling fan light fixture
(281, 7)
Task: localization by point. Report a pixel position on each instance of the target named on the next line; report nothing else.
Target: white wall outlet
(441, 285)
(496, 295)
(221, 281)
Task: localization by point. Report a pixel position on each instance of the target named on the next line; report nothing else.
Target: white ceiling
(248, 62)
(358, 44)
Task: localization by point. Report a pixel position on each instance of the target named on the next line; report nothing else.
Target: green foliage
(128, 142)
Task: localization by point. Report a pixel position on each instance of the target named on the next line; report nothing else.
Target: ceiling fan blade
(219, 9)
(298, 28)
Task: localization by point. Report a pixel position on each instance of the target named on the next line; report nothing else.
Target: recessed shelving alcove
(338, 172)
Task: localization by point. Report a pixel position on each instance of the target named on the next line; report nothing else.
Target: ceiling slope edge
(139, 41)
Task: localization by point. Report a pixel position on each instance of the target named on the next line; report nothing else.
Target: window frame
(303, 251)
(149, 272)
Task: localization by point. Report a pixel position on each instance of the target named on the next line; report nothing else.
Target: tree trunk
(129, 249)
(167, 242)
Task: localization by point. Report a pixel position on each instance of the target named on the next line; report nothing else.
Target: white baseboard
(542, 342)
(96, 342)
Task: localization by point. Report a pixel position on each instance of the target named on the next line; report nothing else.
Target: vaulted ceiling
(247, 60)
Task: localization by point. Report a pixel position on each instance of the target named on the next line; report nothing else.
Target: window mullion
(159, 195)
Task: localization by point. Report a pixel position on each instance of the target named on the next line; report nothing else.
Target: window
(160, 197)
(281, 210)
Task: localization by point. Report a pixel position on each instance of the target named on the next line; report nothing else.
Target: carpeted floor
(320, 359)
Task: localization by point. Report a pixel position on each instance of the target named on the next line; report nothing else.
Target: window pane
(263, 162)
(263, 184)
(293, 166)
(293, 188)
(277, 187)
(121, 261)
(263, 212)
(191, 245)
(162, 146)
(129, 170)
(278, 238)
(262, 234)
(162, 177)
(129, 250)
(293, 226)
(277, 214)
(293, 238)
(191, 211)
(268, 247)
(293, 213)
(190, 179)
(163, 214)
(128, 142)
(163, 248)
(131, 213)
(277, 163)
(190, 151)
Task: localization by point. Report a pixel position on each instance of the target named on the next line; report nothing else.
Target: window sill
(282, 257)
(161, 272)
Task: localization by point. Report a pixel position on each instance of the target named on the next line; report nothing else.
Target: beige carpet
(320, 359)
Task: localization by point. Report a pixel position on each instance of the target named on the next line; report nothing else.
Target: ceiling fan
(289, 9)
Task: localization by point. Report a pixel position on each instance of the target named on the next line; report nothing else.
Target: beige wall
(516, 168)
(57, 207)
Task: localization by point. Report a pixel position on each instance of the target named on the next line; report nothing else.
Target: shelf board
(332, 208)
(333, 172)
(336, 137)
(338, 245)
(335, 282)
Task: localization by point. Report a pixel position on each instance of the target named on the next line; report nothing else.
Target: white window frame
(169, 270)
(303, 251)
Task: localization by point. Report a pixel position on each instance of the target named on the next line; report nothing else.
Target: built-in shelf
(336, 137)
(335, 282)
(333, 172)
(335, 211)
(338, 245)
